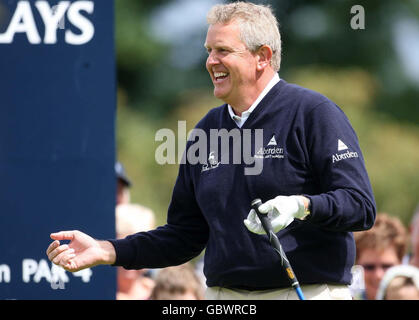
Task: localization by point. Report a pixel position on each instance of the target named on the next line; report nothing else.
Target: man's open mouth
(220, 76)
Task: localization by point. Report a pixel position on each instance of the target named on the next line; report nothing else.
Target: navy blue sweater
(315, 152)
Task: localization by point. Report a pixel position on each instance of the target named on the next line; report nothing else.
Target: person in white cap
(399, 283)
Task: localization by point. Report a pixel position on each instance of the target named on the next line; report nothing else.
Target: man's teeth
(220, 74)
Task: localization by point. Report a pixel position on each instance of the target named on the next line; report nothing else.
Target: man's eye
(219, 50)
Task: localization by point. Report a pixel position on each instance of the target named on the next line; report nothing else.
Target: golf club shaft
(273, 239)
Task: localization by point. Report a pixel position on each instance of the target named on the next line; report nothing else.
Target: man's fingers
(265, 207)
(252, 216)
(248, 224)
(63, 235)
(277, 225)
(57, 251)
(52, 246)
(280, 223)
(63, 258)
(252, 223)
(253, 227)
(71, 265)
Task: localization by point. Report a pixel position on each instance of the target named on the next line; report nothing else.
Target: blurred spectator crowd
(387, 263)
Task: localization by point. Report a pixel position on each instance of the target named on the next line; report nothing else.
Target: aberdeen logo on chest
(272, 150)
(212, 162)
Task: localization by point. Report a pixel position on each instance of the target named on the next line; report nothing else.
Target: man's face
(375, 264)
(231, 65)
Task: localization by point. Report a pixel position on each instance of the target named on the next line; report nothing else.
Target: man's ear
(264, 56)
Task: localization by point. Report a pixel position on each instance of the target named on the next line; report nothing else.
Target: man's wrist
(108, 252)
(307, 207)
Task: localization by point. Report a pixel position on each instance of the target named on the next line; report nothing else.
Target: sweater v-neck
(263, 107)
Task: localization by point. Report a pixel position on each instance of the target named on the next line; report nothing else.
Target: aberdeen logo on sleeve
(343, 152)
(272, 150)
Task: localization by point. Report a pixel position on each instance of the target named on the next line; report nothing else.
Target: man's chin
(220, 95)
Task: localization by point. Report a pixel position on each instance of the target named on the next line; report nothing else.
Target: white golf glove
(281, 212)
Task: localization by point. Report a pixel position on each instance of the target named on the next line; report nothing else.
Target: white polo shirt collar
(241, 120)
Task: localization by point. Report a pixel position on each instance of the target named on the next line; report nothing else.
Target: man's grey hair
(258, 26)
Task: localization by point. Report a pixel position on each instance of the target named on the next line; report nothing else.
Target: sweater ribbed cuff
(316, 206)
(124, 252)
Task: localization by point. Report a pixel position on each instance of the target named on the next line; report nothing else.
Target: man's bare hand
(82, 252)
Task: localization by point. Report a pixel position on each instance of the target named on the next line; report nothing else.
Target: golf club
(273, 239)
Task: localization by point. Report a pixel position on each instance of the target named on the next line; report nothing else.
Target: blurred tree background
(372, 74)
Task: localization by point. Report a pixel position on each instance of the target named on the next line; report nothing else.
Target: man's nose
(379, 273)
(212, 59)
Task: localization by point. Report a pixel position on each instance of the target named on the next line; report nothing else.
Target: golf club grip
(266, 223)
(267, 226)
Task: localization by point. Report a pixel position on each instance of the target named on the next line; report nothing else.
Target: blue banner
(57, 142)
